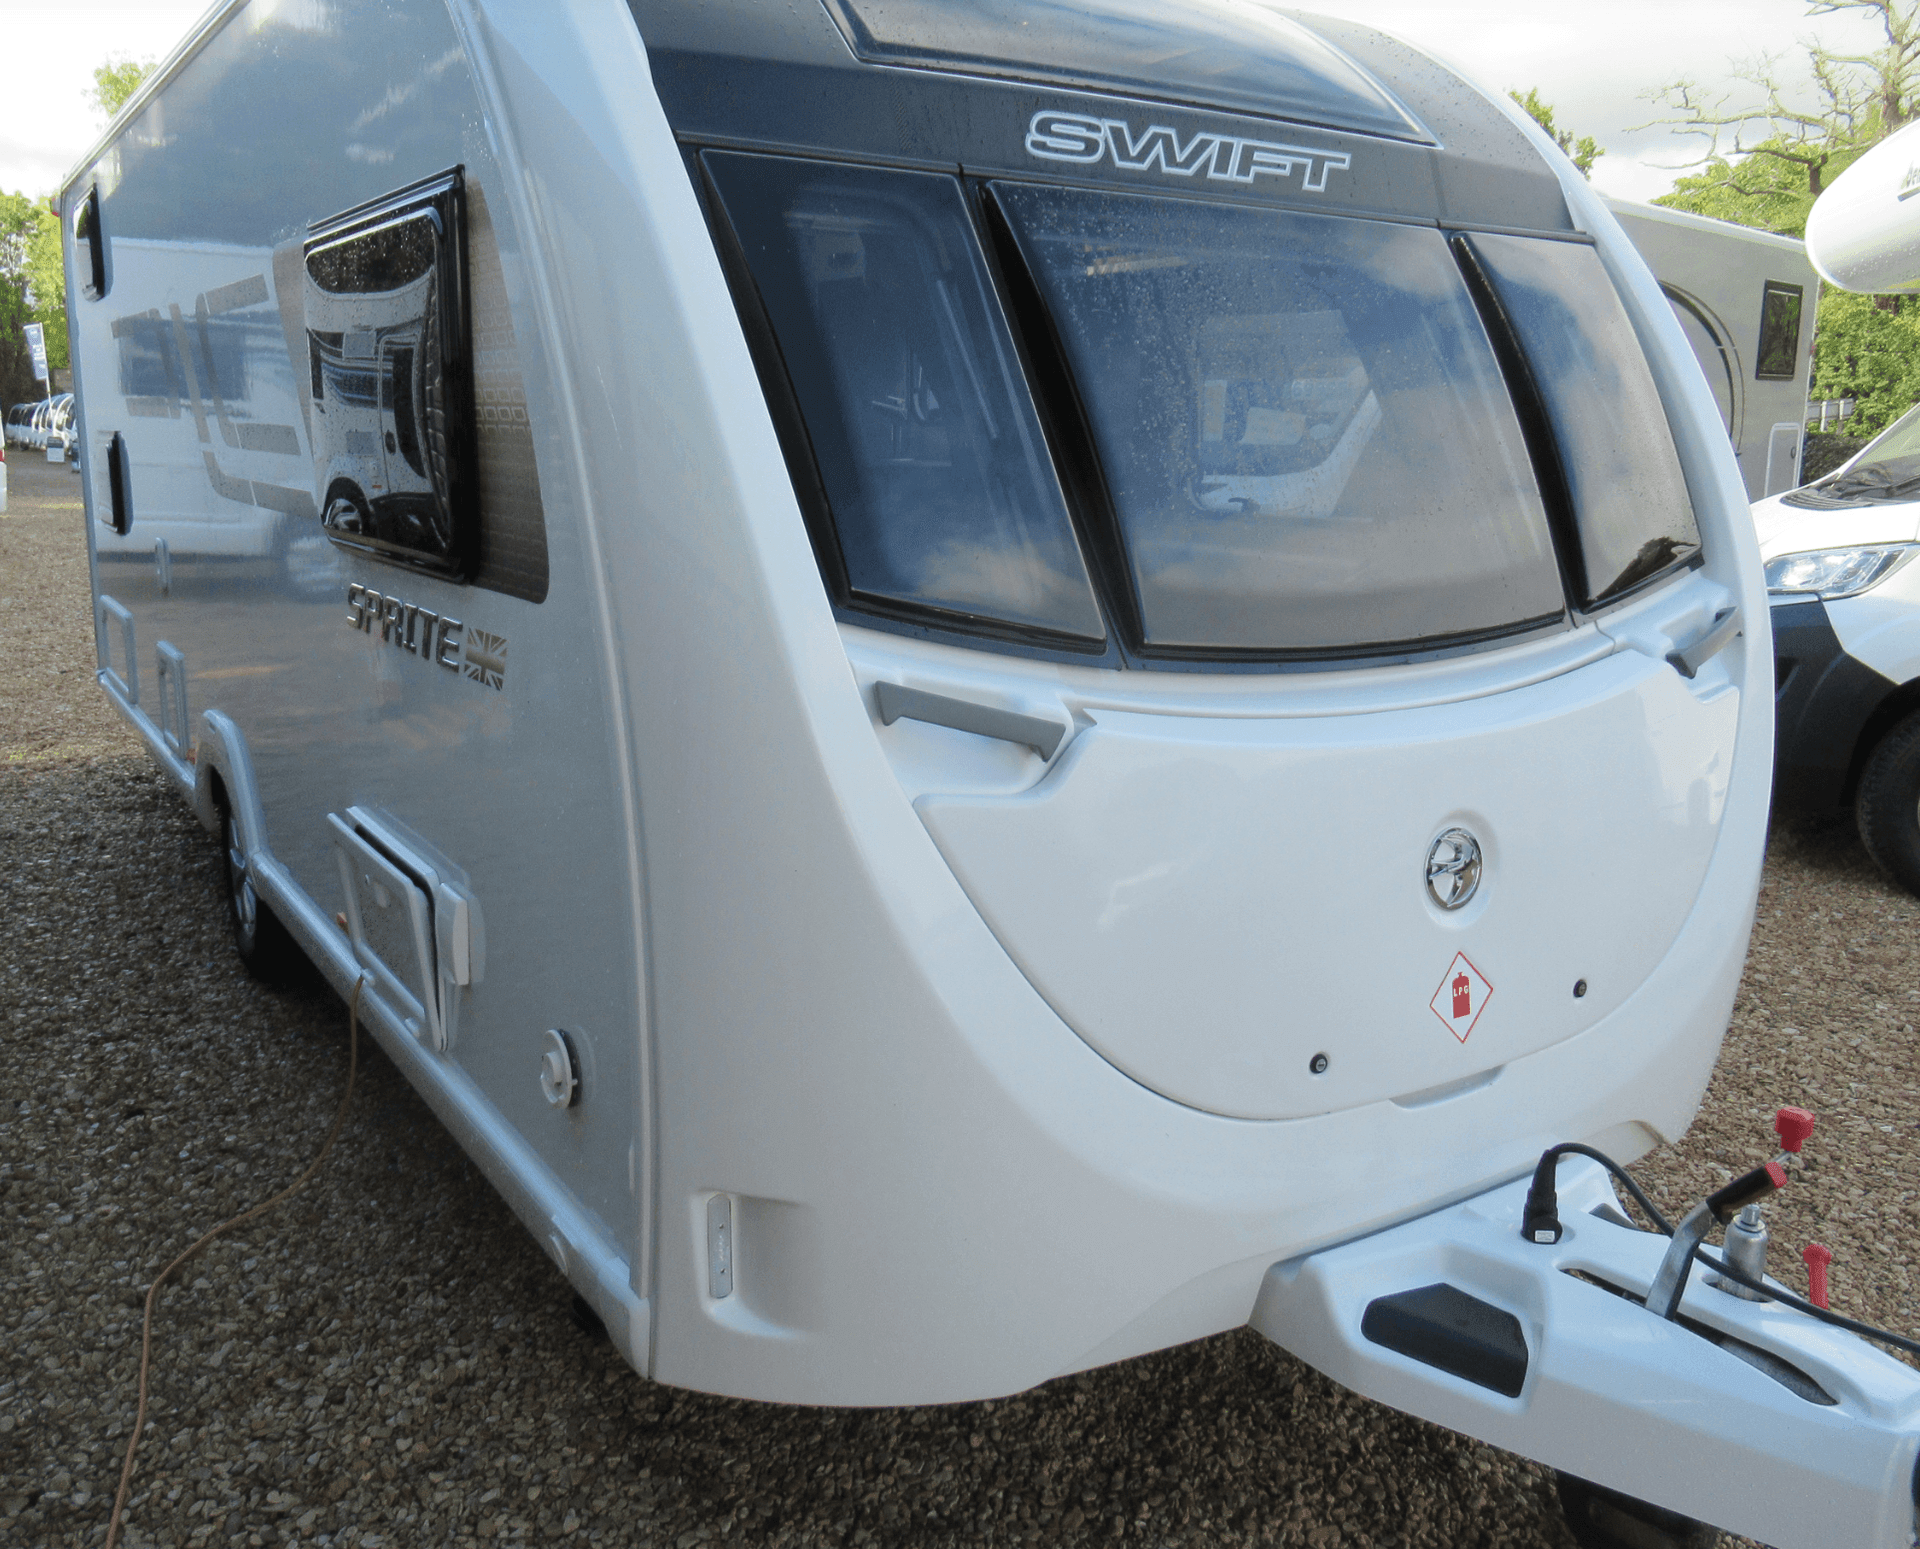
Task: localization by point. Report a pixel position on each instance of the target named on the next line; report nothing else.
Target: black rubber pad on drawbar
(1441, 1325)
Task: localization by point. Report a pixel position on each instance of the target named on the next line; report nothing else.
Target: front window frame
(1063, 421)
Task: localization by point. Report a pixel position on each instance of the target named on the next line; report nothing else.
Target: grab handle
(898, 702)
(1689, 659)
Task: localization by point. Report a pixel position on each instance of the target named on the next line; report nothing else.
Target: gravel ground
(389, 1360)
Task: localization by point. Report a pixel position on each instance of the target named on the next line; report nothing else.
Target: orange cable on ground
(153, 1291)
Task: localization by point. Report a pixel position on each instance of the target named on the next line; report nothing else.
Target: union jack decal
(487, 658)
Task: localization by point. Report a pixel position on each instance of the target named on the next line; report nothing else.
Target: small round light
(1579, 988)
(1318, 1064)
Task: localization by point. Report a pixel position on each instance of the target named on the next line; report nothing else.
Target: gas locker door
(1215, 901)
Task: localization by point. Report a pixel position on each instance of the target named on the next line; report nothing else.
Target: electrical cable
(1720, 1265)
(1800, 1304)
(153, 1291)
(1640, 1198)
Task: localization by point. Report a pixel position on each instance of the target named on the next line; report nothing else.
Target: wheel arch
(223, 777)
(1889, 713)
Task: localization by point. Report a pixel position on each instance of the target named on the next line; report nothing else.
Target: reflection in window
(941, 491)
(1778, 357)
(155, 380)
(387, 348)
(1629, 495)
(1306, 437)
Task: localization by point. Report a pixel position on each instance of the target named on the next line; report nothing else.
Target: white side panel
(500, 760)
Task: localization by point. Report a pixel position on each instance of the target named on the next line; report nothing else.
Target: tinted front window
(941, 491)
(1623, 476)
(1305, 435)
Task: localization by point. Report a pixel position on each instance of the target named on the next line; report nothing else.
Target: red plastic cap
(1792, 1125)
(1778, 1174)
(1817, 1257)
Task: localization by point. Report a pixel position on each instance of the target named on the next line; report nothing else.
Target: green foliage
(17, 227)
(47, 283)
(1583, 153)
(1764, 188)
(116, 80)
(32, 290)
(1868, 348)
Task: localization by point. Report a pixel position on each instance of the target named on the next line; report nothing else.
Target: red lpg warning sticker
(1462, 996)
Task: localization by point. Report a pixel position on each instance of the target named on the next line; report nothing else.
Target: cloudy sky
(1591, 62)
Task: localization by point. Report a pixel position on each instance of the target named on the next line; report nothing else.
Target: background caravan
(973, 650)
(1745, 300)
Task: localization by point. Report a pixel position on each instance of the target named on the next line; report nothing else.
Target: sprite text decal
(1226, 158)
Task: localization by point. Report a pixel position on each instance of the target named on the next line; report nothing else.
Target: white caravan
(1050, 679)
(1746, 301)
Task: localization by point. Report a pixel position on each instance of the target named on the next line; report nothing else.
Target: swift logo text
(1075, 137)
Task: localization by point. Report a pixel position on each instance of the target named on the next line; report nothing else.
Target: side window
(1778, 358)
(90, 247)
(389, 347)
(1621, 472)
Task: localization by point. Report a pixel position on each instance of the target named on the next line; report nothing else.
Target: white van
(1846, 627)
(980, 688)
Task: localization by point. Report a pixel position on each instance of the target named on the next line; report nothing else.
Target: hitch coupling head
(1718, 1208)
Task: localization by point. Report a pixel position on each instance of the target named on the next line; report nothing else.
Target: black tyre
(1887, 806)
(1605, 1519)
(268, 952)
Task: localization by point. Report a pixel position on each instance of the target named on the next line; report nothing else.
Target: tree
(1784, 152)
(1858, 100)
(1868, 349)
(46, 274)
(1762, 190)
(1583, 153)
(18, 224)
(117, 80)
(33, 289)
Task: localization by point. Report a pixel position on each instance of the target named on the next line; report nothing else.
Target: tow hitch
(1536, 1325)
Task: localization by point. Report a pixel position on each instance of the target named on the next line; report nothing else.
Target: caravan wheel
(266, 949)
(1605, 1519)
(1887, 807)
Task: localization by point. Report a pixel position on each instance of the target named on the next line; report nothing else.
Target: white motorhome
(1863, 233)
(1035, 681)
(1746, 300)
